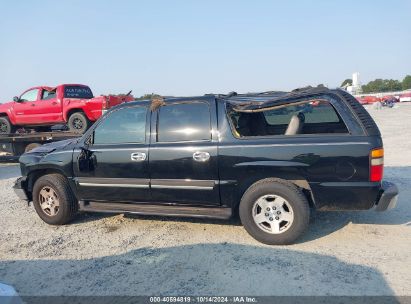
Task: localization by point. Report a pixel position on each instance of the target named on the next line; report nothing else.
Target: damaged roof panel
(258, 102)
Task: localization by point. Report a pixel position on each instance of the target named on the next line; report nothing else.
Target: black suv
(271, 157)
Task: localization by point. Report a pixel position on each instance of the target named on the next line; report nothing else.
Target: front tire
(6, 126)
(274, 212)
(53, 200)
(78, 123)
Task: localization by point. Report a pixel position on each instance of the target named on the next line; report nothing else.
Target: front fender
(8, 111)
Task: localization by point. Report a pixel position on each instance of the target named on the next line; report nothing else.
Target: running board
(163, 210)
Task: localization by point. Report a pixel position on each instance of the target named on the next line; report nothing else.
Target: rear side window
(126, 125)
(46, 95)
(314, 112)
(184, 122)
(77, 92)
(303, 117)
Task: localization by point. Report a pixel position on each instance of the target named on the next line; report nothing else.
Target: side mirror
(16, 99)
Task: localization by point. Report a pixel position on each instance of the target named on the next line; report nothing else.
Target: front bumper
(19, 188)
(388, 196)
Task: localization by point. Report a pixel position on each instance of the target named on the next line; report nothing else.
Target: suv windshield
(77, 92)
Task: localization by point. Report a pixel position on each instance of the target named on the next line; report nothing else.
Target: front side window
(184, 122)
(77, 92)
(126, 125)
(30, 95)
(315, 116)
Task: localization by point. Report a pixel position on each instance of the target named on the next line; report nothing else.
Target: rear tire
(78, 123)
(31, 146)
(6, 126)
(53, 200)
(274, 211)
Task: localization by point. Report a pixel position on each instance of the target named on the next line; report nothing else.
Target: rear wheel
(78, 122)
(31, 146)
(274, 212)
(53, 200)
(5, 126)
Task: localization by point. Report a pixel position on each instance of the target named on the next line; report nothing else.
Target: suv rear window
(77, 92)
(184, 122)
(316, 116)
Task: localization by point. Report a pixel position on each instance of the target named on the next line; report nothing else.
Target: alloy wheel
(273, 214)
(49, 201)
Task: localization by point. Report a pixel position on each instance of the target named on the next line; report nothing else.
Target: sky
(197, 47)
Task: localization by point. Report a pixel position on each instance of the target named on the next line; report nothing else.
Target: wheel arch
(34, 175)
(9, 116)
(71, 111)
(296, 179)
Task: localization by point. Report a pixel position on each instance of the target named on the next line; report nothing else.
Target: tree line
(375, 86)
(383, 85)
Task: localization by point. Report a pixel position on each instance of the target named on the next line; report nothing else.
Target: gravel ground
(343, 253)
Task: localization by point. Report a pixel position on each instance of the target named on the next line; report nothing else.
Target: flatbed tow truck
(15, 144)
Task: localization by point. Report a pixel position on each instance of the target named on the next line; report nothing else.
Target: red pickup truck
(42, 107)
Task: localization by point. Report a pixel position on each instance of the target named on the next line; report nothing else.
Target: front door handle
(138, 156)
(201, 156)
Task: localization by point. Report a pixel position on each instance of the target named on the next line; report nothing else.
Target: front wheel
(78, 123)
(53, 199)
(6, 126)
(274, 212)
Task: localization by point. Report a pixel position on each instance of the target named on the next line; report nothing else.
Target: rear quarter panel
(334, 168)
(91, 107)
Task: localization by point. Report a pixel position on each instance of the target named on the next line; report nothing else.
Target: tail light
(106, 103)
(376, 165)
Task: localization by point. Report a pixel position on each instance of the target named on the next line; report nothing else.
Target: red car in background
(71, 104)
(367, 99)
(405, 97)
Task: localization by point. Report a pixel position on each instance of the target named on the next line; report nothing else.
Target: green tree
(406, 82)
(147, 96)
(382, 85)
(346, 82)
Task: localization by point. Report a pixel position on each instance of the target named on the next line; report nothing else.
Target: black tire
(68, 205)
(78, 123)
(300, 211)
(5, 126)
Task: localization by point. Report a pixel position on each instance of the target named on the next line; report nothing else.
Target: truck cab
(269, 157)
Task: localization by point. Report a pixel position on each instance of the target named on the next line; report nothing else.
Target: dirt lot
(352, 253)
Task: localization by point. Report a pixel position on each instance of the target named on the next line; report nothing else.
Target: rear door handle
(138, 156)
(201, 156)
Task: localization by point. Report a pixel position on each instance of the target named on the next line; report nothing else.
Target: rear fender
(81, 105)
(292, 177)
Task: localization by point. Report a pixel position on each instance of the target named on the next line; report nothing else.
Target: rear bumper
(19, 188)
(388, 197)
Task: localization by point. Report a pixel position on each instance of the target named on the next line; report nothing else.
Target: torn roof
(258, 101)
